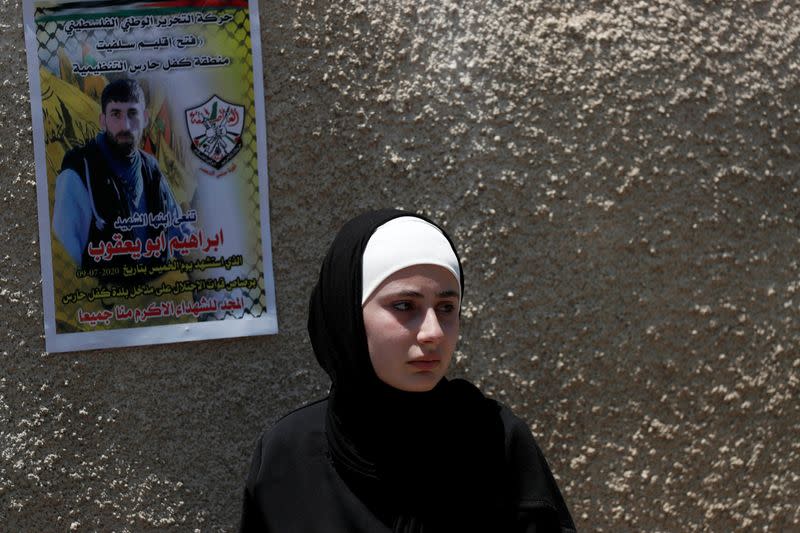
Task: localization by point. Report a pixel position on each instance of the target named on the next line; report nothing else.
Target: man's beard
(123, 143)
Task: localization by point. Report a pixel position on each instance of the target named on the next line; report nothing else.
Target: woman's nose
(430, 330)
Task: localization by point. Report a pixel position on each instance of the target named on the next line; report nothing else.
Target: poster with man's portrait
(150, 146)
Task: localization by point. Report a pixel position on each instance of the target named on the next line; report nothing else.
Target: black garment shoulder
(296, 427)
(538, 498)
(293, 485)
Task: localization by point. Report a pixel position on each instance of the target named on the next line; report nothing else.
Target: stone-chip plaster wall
(622, 179)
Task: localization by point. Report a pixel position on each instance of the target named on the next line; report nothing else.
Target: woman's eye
(401, 306)
(447, 308)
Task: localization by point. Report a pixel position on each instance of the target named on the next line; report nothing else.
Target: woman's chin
(418, 382)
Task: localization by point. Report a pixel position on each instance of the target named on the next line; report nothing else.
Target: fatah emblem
(216, 130)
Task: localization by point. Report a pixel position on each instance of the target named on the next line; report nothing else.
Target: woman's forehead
(419, 278)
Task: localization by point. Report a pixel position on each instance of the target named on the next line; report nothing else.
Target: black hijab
(421, 461)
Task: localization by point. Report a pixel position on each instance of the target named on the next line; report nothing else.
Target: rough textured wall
(622, 179)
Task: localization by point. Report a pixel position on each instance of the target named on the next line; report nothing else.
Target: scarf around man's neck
(128, 168)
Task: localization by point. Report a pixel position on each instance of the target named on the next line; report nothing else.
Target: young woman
(396, 446)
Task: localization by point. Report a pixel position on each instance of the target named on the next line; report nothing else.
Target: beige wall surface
(622, 180)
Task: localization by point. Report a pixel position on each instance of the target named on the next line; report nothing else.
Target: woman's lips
(424, 364)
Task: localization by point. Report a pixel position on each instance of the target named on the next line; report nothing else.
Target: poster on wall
(151, 171)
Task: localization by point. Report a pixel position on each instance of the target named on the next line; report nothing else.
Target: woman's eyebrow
(407, 293)
(449, 293)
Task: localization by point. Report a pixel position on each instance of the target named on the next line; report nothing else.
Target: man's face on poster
(124, 123)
